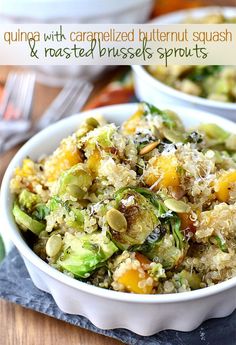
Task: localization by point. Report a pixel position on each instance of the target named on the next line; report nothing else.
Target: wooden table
(19, 326)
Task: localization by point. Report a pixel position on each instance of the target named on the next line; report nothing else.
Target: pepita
(177, 206)
(174, 117)
(230, 143)
(156, 132)
(75, 191)
(53, 245)
(148, 148)
(172, 135)
(214, 132)
(92, 122)
(116, 220)
(74, 181)
(43, 234)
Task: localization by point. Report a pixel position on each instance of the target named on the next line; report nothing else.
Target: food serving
(146, 208)
(217, 83)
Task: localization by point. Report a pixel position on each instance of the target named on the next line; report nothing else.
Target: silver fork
(70, 100)
(16, 105)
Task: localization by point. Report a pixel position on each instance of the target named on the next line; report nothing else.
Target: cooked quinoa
(148, 207)
(216, 83)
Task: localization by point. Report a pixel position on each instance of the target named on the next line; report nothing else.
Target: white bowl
(73, 11)
(142, 314)
(154, 91)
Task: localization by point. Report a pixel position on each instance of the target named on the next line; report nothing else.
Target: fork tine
(79, 100)
(17, 102)
(20, 98)
(16, 97)
(82, 98)
(28, 96)
(7, 92)
(57, 106)
(25, 95)
(66, 101)
(66, 106)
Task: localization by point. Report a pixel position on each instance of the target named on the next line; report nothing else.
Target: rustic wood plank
(20, 326)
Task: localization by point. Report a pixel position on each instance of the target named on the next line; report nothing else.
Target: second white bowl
(152, 90)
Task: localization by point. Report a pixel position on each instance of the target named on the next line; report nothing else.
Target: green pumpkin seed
(174, 117)
(148, 148)
(156, 132)
(214, 132)
(75, 177)
(53, 245)
(218, 157)
(116, 220)
(230, 143)
(177, 206)
(173, 135)
(92, 122)
(43, 234)
(75, 191)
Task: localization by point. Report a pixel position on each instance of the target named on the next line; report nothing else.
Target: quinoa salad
(147, 207)
(216, 83)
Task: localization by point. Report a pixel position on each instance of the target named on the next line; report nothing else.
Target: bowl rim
(39, 264)
(92, 9)
(195, 11)
(156, 84)
(167, 18)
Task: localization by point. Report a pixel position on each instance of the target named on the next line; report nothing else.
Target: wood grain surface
(20, 326)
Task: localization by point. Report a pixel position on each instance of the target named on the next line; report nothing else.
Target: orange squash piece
(93, 162)
(131, 124)
(66, 156)
(224, 184)
(186, 223)
(133, 278)
(165, 171)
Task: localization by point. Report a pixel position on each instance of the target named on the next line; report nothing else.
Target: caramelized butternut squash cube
(66, 156)
(223, 185)
(93, 162)
(138, 280)
(163, 172)
(129, 127)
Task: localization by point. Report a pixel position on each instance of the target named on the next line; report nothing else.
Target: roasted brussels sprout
(82, 255)
(26, 222)
(141, 217)
(101, 136)
(165, 252)
(170, 119)
(75, 182)
(28, 200)
(165, 243)
(214, 134)
(73, 217)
